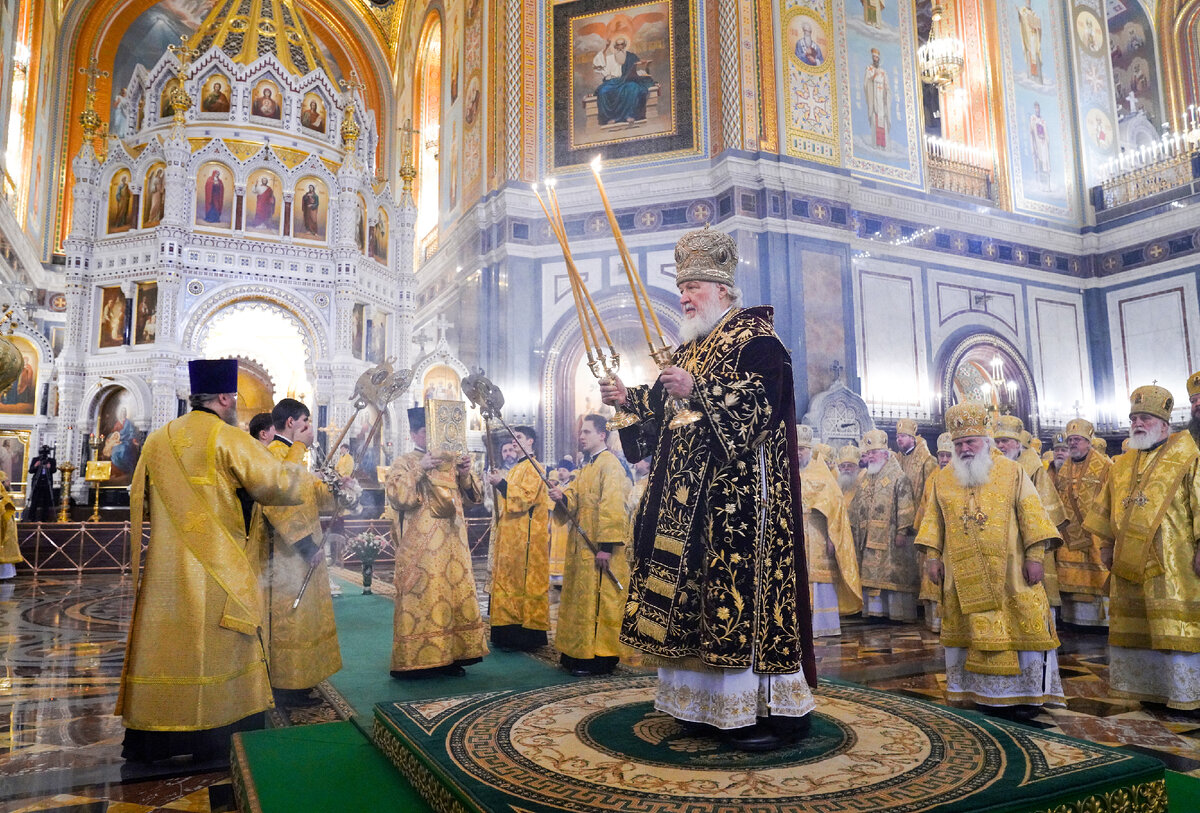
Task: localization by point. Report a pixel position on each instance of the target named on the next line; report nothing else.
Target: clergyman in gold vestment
(303, 642)
(591, 607)
(985, 532)
(1082, 576)
(195, 665)
(10, 552)
(882, 515)
(520, 593)
(829, 544)
(437, 626)
(1148, 519)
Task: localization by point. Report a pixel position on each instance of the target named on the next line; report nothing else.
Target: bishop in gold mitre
(1082, 577)
(1147, 516)
(912, 453)
(985, 532)
(832, 566)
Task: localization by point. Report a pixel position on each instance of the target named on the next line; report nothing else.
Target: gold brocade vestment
(1043, 483)
(1079, 567)
(1148, 511)
(917, 466)
(590, 608)
(883, 507)
(520, 567)
(195, 658)
(825, 522)
(436, 620)
(303, 643)
(10, 552)
(983, 536)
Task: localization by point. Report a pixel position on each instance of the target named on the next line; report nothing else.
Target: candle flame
(551, 183)
(596, 162)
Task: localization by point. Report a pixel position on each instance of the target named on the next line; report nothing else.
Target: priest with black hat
(437, 627)
(195, 668)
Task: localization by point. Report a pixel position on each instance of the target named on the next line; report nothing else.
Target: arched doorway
(987, 369)
(429, 119)
(275, 345)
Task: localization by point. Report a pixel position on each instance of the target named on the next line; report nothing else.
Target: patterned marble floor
(62, 641)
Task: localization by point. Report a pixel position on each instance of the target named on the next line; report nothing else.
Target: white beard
(1056, 463)
(1013, 455)
(701, 323)
(1148, 438)
(875, 468)
(974, 472)
(846, 481)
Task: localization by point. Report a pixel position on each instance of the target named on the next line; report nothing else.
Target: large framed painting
(310, 209)
(21, 397)
(264, 202)
(114, 316)
(120, 439)
(145, 321)
(214, 196)
(14, 456)
(623, 82)
(121, 207)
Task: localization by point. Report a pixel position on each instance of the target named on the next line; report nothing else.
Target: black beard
(1194, 426)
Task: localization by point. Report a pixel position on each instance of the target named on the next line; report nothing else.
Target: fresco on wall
(1036, 89)
(810, 81)
(1134, 63)
(450, 155)
(622, 82)
(378, 238)
(312, 112)
(1093, 89)
(879, 127)
(266, 100)
(310, 209)
(472, 101)
(214, 196)
(147, 39)
(145, 322)
(114, 316)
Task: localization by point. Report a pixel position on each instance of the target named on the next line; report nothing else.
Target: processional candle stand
(663, 354)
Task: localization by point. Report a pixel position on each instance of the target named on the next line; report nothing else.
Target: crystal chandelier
(941, 58)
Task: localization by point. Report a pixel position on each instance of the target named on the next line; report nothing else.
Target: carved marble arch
(565, 358)
(312, 327)
(967, 373)
(838, 416)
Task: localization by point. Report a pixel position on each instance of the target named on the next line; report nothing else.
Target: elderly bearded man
(1147, 515)
(1059, 454)
(718, 597)
(882, 515)
(832, 566)
(1082, 576)
(985, 532)
(848, 472)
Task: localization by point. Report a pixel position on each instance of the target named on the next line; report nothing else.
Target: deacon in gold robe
(437, 628)
(1148, 519)
(985, 531)
(832, 566)
(882, 515)
(1193, 389)
(195, 667)
(10, 553)
(1012, 440)
(590, 609)
(718, 599)
(520, 592)
(931, 594)
(1082, 576)
(302, 642)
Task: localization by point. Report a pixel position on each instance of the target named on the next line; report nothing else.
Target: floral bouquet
(367, 546)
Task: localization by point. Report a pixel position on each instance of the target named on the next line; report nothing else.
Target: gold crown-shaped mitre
(804, 436)
(1008, 426)
(1152, 400)
(1081, 427)
(967, 420)
(705, 255)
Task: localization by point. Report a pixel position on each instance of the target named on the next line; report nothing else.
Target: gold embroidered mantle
(917, 466)
(1079, 566)
(1155, 593)
(826, 524)
(722, 512)
(882, 508)
(983, 536)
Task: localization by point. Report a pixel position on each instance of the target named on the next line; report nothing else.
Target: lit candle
(553, 197)
(585, 327)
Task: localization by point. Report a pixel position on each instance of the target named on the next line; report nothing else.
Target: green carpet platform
(599, 745)
(519, 735)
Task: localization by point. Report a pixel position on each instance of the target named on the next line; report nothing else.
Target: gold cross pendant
(978, 518)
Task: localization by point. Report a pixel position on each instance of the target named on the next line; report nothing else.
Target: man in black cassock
(718, 595)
